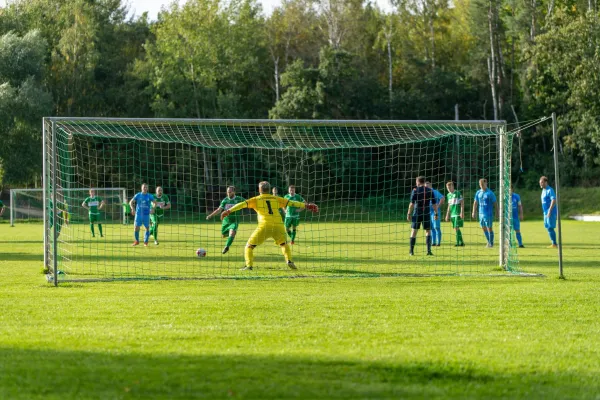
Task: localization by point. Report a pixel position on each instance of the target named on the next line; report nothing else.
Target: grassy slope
(305, 338)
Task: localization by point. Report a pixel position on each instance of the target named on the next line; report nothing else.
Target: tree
(565, 78)
(23, 102)
(206, 61)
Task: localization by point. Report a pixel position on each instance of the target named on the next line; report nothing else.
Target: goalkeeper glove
(312, 207)
(225, 214)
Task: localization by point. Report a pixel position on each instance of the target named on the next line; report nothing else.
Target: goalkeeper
(269, 222)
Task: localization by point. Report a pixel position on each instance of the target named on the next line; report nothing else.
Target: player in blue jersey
(141, 203)
(550, 210)
(484, 203)
(517, 215)
(436, 226)
(419, 213)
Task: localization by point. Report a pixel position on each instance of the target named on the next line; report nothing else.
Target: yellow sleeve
(285, 203)
(251, 203)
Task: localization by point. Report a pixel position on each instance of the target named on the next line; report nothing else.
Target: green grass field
(401, 337)
(339, 249)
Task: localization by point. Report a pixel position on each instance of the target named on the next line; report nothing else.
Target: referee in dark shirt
(419, 213)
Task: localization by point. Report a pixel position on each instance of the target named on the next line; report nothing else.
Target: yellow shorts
(262, 233)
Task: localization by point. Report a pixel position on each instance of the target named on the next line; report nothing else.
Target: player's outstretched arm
(212, 214)
(244, 204)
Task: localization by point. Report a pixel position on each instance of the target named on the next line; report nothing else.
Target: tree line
(515, 60)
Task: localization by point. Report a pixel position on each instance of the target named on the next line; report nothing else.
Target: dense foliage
(504, 59)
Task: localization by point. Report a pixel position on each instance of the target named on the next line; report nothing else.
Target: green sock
(459, 239)
(100, 229)
(289, 233)
(229, 241)
(154, 231)
(293, 235)
(92, 229)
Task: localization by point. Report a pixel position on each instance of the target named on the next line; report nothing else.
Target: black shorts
(424, 219)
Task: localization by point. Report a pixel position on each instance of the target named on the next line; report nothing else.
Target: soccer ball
(201, 252)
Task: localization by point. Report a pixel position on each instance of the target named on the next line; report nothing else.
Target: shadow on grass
(21, 257)
(26, 374)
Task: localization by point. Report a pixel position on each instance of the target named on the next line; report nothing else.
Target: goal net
(360, 173)
(27, 205)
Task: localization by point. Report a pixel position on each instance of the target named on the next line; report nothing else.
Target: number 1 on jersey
(269, 206)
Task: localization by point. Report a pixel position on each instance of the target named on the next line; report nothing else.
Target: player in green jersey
(160, 203)
(456, 211)
(2, 208)
(126, 211)
(230, 224)
(94, 204)
(292, 214)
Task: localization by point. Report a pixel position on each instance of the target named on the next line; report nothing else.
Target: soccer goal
(27, 205)
(360, 174)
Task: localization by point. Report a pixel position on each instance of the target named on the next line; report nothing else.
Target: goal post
(360, 173)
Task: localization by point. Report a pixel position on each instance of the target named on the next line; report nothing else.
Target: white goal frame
(50, 160)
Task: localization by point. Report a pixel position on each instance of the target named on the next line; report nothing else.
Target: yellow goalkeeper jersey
(267, 207)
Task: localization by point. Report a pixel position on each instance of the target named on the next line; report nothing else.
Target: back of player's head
(421, 180)
(544, 179)
(264, 187)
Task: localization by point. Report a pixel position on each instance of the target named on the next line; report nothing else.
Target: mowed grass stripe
(437, 337)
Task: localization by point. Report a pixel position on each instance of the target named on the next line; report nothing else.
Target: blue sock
(519, 238)
(552, 234)
(487, 236)
(433, 235)
(438, 235)
(492, 238)
(146, 236)
(136, 234)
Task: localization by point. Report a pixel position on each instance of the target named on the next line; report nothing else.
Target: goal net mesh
(360, 173)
